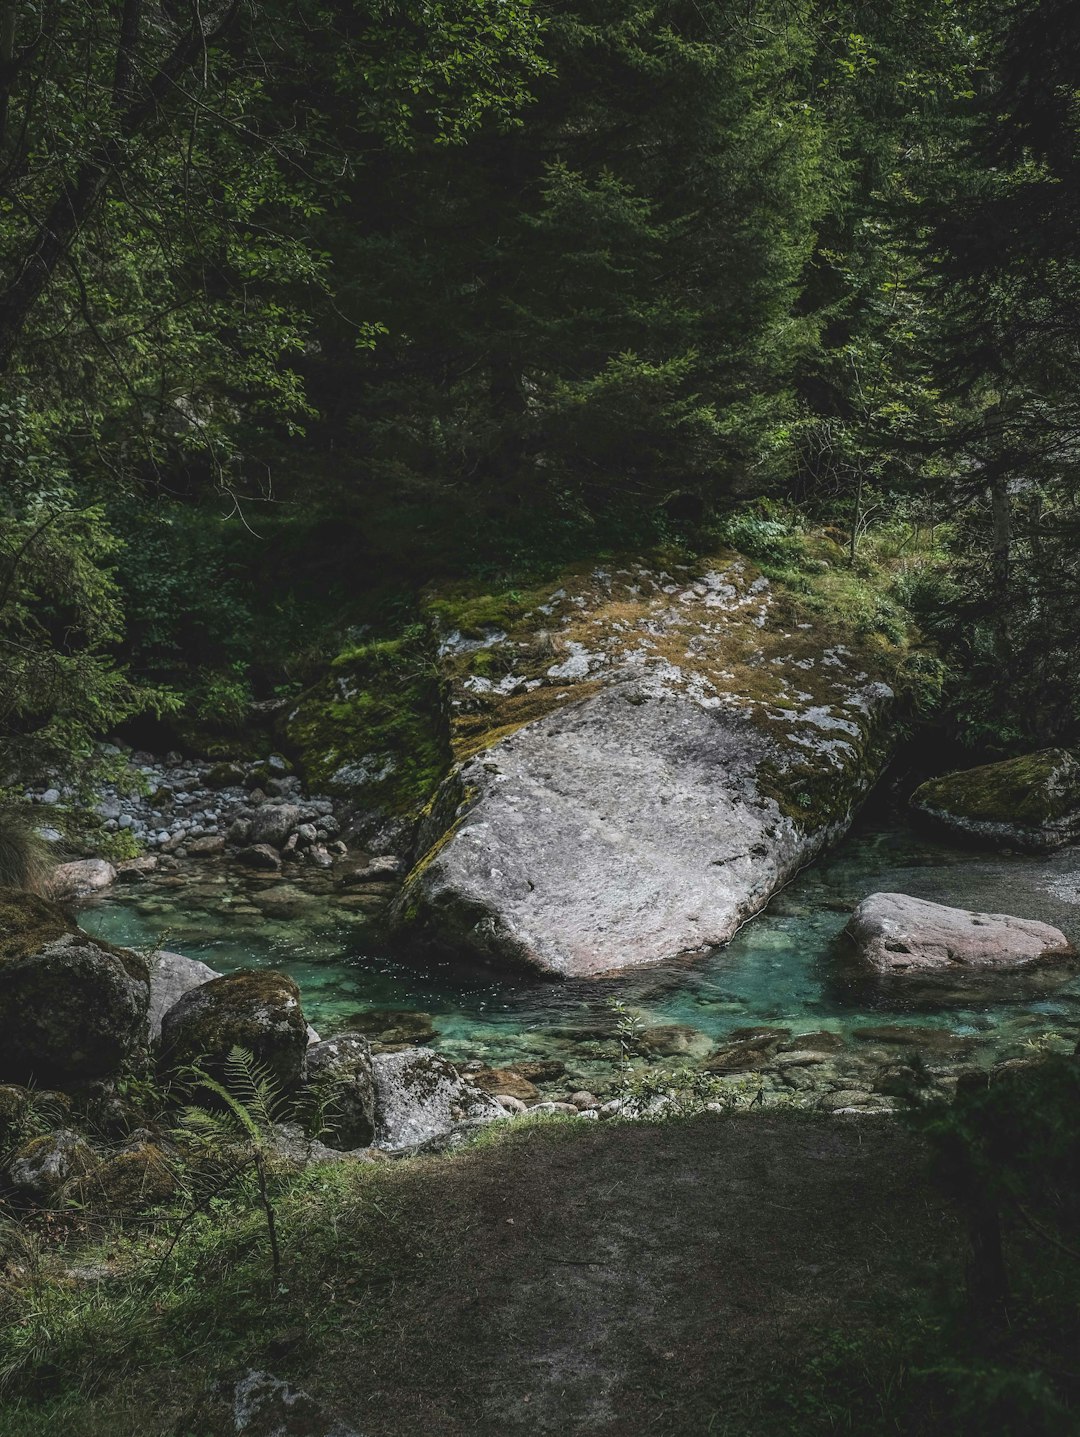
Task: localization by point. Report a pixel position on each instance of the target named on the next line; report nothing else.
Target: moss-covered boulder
(373, 731)
(258, 1010)
(39, 1171)
(644, 755)
(1030, 803)
(72, 1007)
(137, 1177)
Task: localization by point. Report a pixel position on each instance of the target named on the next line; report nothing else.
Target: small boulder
(137, 1177)
(340, 1072)
(41, 1168)
(258, 1010)
(265, 1406)
(260, 856)
(81, 878)
(206, 845)
(384, 869)
(171, 976)
(420, 1096)
(896, 934)
(1030, 803)
(135, 870)
(273, 823)
(71, 1007)
(674, 1040)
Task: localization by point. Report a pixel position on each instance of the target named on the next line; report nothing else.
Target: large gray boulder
(72, 1007)
(663, 753)
(1030, 803)
(81, 878)
(420, 1096)
(258, 1010)
(171, 976)
(896, 934)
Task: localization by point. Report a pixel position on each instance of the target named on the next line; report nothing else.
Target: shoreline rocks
(896, 934)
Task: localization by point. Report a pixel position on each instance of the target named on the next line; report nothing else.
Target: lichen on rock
(643, 756)
(257, 1010)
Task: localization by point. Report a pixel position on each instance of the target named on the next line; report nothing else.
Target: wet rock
(340, 1076)
(265, 1406)
(511, 1105)
(582, 1100)
(281, 901)
(81, 878)
(760, 1033)
(255, 1010)
(393, 1025)
(939, 1041)
(260, 856)
(674, 1040)
(740, 1058)
(171, 976)
(504, 1082)
(224, 775)
(544, 1070)
(136, 870)
(41, 1168)
(420, 1096)
(1030, 803)
(818, 1042)
(209, 843)
(896, 934)
(71, 1008)
(274, 822)
(384, 869)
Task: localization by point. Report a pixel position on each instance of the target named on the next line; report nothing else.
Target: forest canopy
(305, 304)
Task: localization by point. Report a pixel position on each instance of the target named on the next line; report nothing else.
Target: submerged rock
(71, 1007)
(255, 1010)
(664, 752)
(1030, 803)
(894, 933)
(420, 1096)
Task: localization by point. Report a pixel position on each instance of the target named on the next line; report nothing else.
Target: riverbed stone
(272, 823)
(390, 1026)
(419, 1096)
(81, 877)
(71, 1007)
(896, 934)
(255, 1009)
(171, 976)
(1030, 803)
(504, 1082)
(671, 750)
(260, 856)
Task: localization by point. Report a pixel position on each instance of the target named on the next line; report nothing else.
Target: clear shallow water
(786, 967)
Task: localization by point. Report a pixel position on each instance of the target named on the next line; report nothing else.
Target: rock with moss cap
(39, 1171)
(1030, 803)
(138, 1176)
(258, 1010)
(644, 758)
(72, 1007)
(420, 1096)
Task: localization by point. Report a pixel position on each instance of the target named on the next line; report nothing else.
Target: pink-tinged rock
(895, 933)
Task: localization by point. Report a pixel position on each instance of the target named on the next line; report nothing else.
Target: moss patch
(1037, 789)
(374, 729)
(28, 923)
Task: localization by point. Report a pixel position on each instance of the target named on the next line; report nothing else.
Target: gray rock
(420, 1096)
(265, 1406)
(51, 796)
(654, 811)
(261, 856)
(896, 934)
(81, 878)
(171, 976)
(273, 822)
(341, 1075)
(210, 843)
(40, 1169)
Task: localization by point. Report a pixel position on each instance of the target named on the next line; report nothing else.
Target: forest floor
(707, 1275)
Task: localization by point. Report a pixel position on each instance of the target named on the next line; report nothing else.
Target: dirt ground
(631, 1278)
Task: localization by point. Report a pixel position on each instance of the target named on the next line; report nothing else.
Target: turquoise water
(787, 967)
